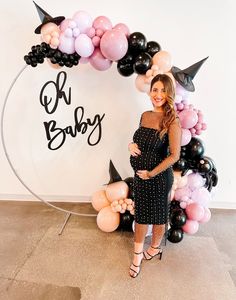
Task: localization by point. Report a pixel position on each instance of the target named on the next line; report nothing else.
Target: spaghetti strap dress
(151, 195)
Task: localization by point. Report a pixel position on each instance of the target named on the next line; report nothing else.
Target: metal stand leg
(64, 224)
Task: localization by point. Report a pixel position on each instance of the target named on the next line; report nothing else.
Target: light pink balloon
(96, 41)
(67, 23)
(107, 220)
(188, 118)
(99, 200)
(180, 90)
(195, 181)
(141, 85)
(90, 32)
(113, 45)
(122, 28)
(163, 60)
(190, 227)
(207, 215)
(83, 45)
(102, 23)
(49, 27)
(195, 211)
(67, 44)
(201, 196)
(182, 182)
(83, 21)
(98, 61)
(117, 190)
(186, 136)
(180, 193)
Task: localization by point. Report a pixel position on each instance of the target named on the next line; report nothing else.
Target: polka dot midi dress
(151, 195)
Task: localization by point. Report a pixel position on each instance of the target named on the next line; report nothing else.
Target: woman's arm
(174, 134)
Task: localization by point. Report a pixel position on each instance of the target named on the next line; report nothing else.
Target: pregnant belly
(145, 161)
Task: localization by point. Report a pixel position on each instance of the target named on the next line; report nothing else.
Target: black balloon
(195, 148)
(205, 165)
(130, 183)
(137, 42)
(178, 218)
(175, 235)
(126, 221)
(142, 63)
(153, 48)
(174, 204)
(125, 65)
(181, 165)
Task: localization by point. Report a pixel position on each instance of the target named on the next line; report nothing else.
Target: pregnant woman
(155, 148)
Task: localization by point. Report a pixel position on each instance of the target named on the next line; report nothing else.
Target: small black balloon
(137, 42)
(126, 221)
(153, 48)
(178, 218)
(142, 63)
(181, 165)
(204, 165)
(175, 235)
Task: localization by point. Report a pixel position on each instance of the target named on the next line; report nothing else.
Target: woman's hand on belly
(134, 149)
(143, 174)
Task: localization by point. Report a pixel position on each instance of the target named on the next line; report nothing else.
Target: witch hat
(46, 18)
(185, 77)
(114, 175)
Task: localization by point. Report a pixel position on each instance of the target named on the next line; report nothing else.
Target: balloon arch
(80, 39)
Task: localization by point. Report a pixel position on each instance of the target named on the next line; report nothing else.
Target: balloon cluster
(39, 52)
(114, 204)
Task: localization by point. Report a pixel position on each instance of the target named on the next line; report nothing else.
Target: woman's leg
(158, 232)
(139, 236)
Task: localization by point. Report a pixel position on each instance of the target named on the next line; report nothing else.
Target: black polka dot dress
(151, 196)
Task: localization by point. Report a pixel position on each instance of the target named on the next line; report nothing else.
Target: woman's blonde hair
(168, 106)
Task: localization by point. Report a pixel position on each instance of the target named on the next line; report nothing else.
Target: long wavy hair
(168, 106)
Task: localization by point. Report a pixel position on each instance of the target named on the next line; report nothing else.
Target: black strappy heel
(151, 256)
(136, 273)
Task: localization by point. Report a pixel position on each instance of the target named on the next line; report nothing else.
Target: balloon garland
(80, 39)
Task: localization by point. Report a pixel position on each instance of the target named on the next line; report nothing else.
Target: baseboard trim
(48, 198)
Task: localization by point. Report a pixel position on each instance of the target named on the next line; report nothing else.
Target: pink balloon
(201, 196)
(141, 85)
(107, 220)
(49, 27)
(98, 61)
(195, 181)
(117, 190)
(83, 20)
(90, 32)
(190, 227)
(122, 28)
(188, 118)
(96, 41)
(67, 23)
(99, 200)
(180, 90)
(113, 45)
(83, 45)
(180, 193)
(207, 215)
(186, 137)
(182, 182)
(67, 44)
(195, 211)
(102, 23)
(163, 60)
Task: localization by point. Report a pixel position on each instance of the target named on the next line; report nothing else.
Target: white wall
(188, 30)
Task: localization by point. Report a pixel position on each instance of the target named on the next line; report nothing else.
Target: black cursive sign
(56, 136)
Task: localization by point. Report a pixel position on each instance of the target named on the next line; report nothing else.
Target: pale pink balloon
(201, 196)
(83, 45)
(117, 190)
(195, 181)
(122, 28)
(46, 38)
(163, 60)
(183, 204)
(107, 220)
(190, 226)
(185, 137)
(90, 32)
(141, 85)
(83, 21)
(67, 23)
(113, 45)
(195, 211)
(188, 118)
(54, 42)
(102, 23)
(180, 90)
(204, 126)
(67, 44)
(180, 193)
(207, 215)
(48, 28)
(99, 200)
(182, 182)
(98, 61)
(96, 41)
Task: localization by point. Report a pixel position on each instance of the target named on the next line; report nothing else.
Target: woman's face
(158, 94)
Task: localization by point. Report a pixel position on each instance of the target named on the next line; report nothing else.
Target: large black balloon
(142, 63)
(153, 48)
(126, 221)
(175, 235)
(205, 165)
(181, 165)
(125, 65)
(178, 218)
(137, 42)
(195, 148)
